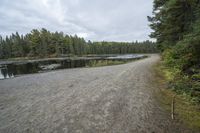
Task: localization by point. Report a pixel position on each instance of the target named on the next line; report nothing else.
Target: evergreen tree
(43, 43)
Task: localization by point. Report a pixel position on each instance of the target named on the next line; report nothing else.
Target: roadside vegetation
(186, 109)
(98, 63)
(176, 27)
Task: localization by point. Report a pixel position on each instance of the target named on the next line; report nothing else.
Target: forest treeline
(43, 43)
(176, 25)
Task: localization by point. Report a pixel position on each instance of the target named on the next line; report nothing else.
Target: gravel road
(111, 99)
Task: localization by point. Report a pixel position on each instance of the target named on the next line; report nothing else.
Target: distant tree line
(121, 47)
(43, 43)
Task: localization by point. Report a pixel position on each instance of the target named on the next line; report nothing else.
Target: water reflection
(5, 73)
(12, 70)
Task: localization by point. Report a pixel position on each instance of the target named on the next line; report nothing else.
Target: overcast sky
(97, 20)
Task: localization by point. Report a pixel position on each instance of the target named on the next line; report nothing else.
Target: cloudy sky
(97, 20)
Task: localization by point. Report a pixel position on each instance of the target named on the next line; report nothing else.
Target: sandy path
(115, 99)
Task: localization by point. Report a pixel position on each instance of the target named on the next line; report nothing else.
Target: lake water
(13, 69)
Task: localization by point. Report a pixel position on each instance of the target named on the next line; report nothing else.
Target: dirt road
(111, 99)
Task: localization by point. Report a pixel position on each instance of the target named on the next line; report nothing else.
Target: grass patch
(186, 110)
(98, 63)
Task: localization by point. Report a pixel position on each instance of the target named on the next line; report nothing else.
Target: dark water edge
(9, 69)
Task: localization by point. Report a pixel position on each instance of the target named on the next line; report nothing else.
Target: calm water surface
(11, 70)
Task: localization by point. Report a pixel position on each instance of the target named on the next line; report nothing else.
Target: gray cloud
(96, 20)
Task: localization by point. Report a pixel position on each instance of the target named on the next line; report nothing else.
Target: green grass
(185, 109)
(111, 62)
(104, 63)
